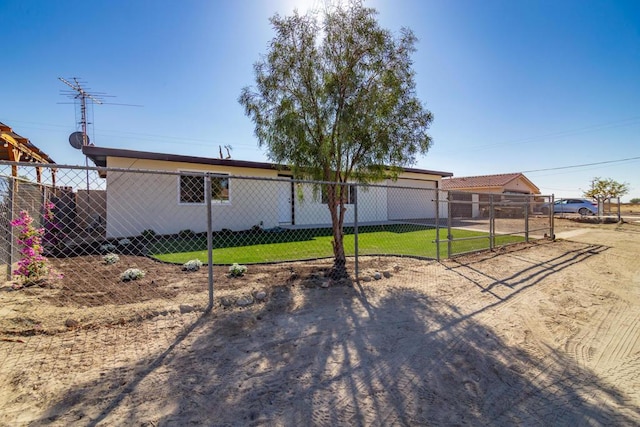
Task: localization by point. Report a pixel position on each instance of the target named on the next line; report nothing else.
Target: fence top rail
(202, 174)
(255, 178)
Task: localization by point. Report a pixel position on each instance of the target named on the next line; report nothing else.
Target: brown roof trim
(99, 156)
(429, 172)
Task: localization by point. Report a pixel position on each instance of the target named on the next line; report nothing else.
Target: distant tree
(635, 201)
(604, 189)
(335, 100)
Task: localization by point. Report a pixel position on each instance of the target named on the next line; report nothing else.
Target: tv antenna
(78, 92)
(80, 139)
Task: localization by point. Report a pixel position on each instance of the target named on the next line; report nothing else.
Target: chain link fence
(148, 240)
(125, 262)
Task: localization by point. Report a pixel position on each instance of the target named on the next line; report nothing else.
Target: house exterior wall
(518, 186)
(309, 210)
(132, 207)
(141, 201)
(414, 202)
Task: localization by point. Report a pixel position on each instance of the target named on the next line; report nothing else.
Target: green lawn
(289, 245)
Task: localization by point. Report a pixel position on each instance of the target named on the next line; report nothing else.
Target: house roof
(99, 156)
(485, 181)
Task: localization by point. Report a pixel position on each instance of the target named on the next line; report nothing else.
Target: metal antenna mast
(78, 92)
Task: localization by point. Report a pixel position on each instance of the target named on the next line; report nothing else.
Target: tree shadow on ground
(355, 356)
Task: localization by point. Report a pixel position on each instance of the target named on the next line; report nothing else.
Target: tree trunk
(337, 210)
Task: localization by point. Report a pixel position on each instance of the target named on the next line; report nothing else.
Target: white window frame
(350, 194)
(213, 201)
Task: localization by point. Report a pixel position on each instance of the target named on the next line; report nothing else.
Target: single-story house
(504, 183)
(244, 193)
(466, 189)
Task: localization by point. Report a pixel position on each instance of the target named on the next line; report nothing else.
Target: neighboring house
(512, 183)
(508, 184)
(244, 194)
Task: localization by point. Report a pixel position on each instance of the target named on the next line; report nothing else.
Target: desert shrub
(192, 265)
(186, 234)
(149, 234)
(110, 258)
(237, 270)
(132, 274)
(107, 247)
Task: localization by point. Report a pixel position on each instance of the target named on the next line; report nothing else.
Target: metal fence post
(437, 224)
(551, 218)
(449, 235)
(526, 219)
(12, 235)
(355, 228)
(492, 224)
(207, 199)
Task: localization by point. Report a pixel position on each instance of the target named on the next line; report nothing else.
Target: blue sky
(514, 85)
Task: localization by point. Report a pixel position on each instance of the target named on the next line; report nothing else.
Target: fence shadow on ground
(347, 355)
(529, 276)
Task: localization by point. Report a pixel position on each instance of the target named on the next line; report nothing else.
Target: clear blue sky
(514, 85)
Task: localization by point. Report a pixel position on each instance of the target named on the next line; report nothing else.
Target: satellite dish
(76, 140)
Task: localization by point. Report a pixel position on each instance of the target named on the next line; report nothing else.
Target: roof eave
(99, 156)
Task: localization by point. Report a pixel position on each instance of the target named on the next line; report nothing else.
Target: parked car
(579, 206)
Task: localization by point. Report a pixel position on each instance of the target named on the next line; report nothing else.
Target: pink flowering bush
(33, 266)
(52, 229)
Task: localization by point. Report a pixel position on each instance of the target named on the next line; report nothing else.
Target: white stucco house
(167, 199)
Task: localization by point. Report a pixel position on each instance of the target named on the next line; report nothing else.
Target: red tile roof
(482, 181)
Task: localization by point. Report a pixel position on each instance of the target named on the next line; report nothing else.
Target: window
(192, 189)
(349, 197)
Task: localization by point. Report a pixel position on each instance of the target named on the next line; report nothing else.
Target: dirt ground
(536, 334)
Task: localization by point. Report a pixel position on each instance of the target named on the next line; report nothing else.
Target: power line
(583, 165)
(137, 136)
(554, 135)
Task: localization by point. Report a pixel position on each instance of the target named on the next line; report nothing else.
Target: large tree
(335, 100)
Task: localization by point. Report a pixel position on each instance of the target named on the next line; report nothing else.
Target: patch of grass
(251, 247)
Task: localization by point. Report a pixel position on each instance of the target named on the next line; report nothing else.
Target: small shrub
(192, 265)
(124, 242)
(237, 270)
(110, 258)
(149, 234)
(186, 234)
(107, 247)
(132, 274)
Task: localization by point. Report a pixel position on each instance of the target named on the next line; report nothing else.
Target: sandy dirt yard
(536, 334)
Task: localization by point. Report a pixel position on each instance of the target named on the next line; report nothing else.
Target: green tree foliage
(335, 100)
(604, 189)
(635, 201)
